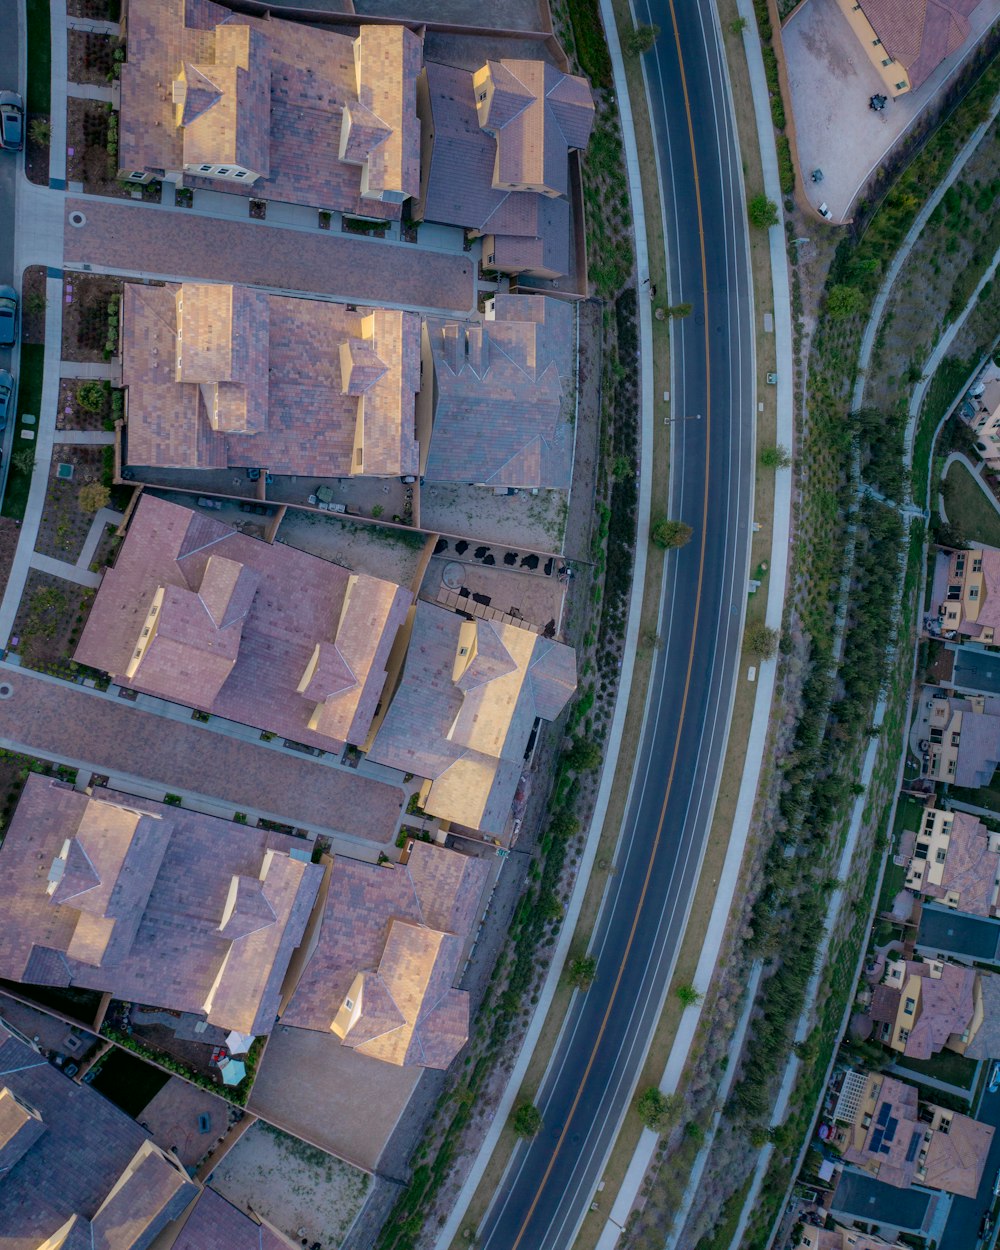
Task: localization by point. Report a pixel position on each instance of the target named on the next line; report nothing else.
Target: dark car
(11, 121)
(6, 396)
(8, 316)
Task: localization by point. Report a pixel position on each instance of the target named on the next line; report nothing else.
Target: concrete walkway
(103, 370)
(69, 572)
(976, 472)
(92, 91)
(93, 26)
(105, 517)
(85, 438)
(610, 770)
(57, 108)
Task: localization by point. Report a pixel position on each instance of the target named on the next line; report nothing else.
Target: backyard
(127, 1081)
(969, 508)
(310, 1196)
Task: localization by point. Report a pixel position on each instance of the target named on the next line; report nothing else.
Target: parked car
(6, 396)
(8, 316)
(11, 121)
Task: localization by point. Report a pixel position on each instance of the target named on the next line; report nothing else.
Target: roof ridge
(536, 438)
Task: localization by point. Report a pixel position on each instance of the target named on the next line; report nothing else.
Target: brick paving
(137, 238)
(110, 736)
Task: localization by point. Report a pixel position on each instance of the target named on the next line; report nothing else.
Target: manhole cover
(452, 576)
(65, 471)
(77, 219)
(6, 689)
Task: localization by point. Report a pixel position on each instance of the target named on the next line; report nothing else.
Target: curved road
(552, 1180)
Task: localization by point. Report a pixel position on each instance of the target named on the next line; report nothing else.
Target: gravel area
(360, 548)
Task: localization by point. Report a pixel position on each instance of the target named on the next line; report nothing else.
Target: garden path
(70, 572)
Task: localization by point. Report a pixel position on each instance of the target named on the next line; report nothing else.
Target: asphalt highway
(553, 1180)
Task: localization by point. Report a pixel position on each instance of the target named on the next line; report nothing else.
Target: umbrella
(239, 1043)
(233, 1072)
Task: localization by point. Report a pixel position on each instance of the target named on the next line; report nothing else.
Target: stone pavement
(153, 241)
(89, 729)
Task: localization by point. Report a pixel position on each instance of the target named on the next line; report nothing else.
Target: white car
(11, 121)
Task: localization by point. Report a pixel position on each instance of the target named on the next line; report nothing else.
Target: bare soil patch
(360, 548)
(48, 623)
(71, 414)
(33, 305)
(36, 155)
(10, 531)
(87, 302)
(310, 1196)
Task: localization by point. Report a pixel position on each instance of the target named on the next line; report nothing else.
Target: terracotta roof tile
(251, 670)
(920, 33)
(216, 1224)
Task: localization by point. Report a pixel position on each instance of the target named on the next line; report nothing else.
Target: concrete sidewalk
(69, 572)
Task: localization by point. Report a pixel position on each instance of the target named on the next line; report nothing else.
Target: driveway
(832, 80)
(143, 239)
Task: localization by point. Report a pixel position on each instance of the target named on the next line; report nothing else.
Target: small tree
(40, 132)
(563, 825)
(763, 213)
(680, 310)
(622, 468)
(688, 995)
(668, 534)
(527, 1120)
(93, 497)
(759, 639)
(738, 25)
(581, 972)
(583, 756)
(90, 396)
(844, 301)
(775, 457)
(24, 460)
(656, 1109)
(640, 40)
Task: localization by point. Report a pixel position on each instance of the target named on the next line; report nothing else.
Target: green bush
(591, 45)
(527, 1120)
(763, 213)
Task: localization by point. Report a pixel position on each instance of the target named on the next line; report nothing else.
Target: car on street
(11, 121)
(6, 396)
(8, 316)
(995, 1078)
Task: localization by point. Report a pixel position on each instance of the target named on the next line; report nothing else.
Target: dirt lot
(48, 622)
(86, 304)
(522, 520)
(360, 548)
(90, 57)
(832, 80)
(307, 1194)
(65, 525)
(512, 15)
(537, 598)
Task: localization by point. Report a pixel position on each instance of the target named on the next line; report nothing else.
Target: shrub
(759, 639)
(527, 1120)
(40, 132)
(763, 213)
(90, 396)
(581, 972)
(844, 301)
(775, 457)
(688, 995)
(93, 497)
(667, 534)
(640, 40)
(583, 756)
(656, 1109)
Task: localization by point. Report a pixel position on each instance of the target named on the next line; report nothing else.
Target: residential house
(463, 713)
(224, 376)
(215, 1224)
(966, 593)
(152, 904)
(963, 737)
(500, 397)
(75, 1172)
(840, 1238)
(496, 147)
(981, 411)
(881, 1127)
(272, 108)
(261, 634)
(955, 860)
(380, 973)
(923, 1006)
(906, 40)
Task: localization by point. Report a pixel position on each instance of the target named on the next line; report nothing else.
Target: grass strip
(39, 98)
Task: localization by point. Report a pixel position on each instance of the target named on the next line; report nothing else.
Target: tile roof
(468, 733)
(271, 95)
(884, 1004)
(91, 1175)
(292, 385)
(985, 1044)
(402, 929)
(499, 393)
(526, 231)
(920, 33)
(216, 1224)
(970, 868)
(300, 602)
(956, 1159)
(209, 912)
(946, 1007)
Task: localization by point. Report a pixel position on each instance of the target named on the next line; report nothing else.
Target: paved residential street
(118, 235)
